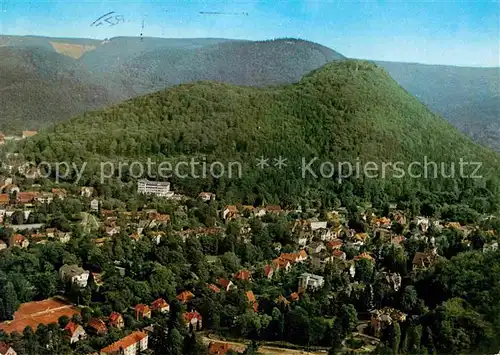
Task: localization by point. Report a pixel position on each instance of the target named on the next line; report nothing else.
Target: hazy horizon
(440, 33)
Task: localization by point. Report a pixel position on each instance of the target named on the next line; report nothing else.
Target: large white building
(311, 281)
(157, 188)
(75, 274)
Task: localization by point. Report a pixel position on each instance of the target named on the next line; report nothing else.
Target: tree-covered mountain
(469, 98)
(46, 80)
(344, 111)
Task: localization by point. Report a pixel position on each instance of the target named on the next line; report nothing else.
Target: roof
(189, 316)
(114, 317)
(220, 348)
(224, 283)
(142, 308)
(251, 296)
(98, 325)
(338, 253)
(159, 303)
(72, 327)
(268, 269)
(364, 256)
(185, 296)
(213, 288)
(4, 198)
(125, 342)
(4, 347)
(242, 275)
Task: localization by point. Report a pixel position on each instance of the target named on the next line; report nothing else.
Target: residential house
(115, 319)
(273, 209)
(111, 231)
(94, 205)
(129, 345)
(3, 245)
(142, 311)
(193, 320)
(214, 288)
(422, 260)
(226, 284)
(252, 301)
(318, 225)
(160, 305)
(74, 274)
(59, 193)
(206, 196)
(75, 331)
(335, 244)
(28, 134)
(282, 264)
(268, 272)
(382, 318)
(86, 191)
(489, 247)
(98, 326)
(229, 212)
(311, 281)
(44, 197)
(6, 349)
(243, 275)
(339, 254)
(185, 296)
(382, 222)
(423, 224)
(19, 240)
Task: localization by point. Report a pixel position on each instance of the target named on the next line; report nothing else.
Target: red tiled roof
(4, 198)
(242, 275)
(4, 347)
(125, 342)
(185, 296)
(142, 308)
(214, 288)
(71, 327)
(224, 283)
(160, 303)
(114, 317)
(98, 325)
(268, 269)
(189, 316)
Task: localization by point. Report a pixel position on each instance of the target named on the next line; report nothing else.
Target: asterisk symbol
(280, 162)
(262, 162)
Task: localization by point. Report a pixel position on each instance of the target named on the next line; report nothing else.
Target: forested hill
(340, 112)
(469, 98)
(47, 80)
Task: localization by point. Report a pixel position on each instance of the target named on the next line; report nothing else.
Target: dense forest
(344, 112)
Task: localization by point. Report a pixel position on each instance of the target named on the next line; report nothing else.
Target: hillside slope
(48, 80)
(40, 87)
(469, 98)
(340, 112)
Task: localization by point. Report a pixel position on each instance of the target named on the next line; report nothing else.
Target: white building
(75, 274)
(157, 188)
(311, 281)
(94, 205)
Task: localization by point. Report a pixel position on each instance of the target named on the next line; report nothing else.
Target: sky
(465, 33)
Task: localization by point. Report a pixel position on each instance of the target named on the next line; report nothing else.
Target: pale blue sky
(434, 32)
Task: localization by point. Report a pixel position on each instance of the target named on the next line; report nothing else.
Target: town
(146, 272)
